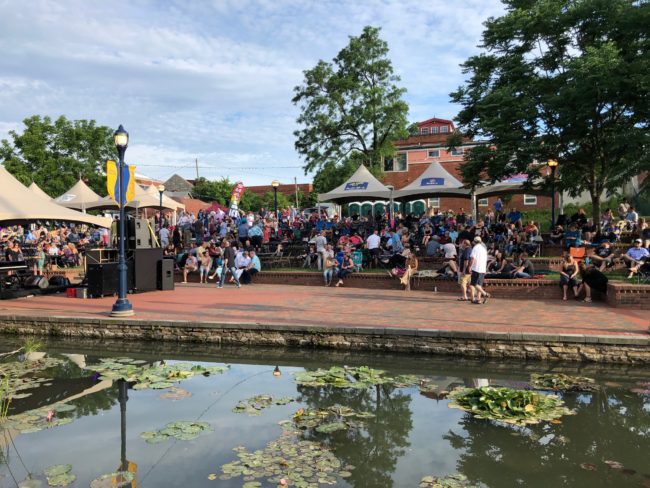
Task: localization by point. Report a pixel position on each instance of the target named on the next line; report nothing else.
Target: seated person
(524, 267)
(404, 274)
(191, 264)
(603, 256)
(346, 268)
(450, 256)
(592, 279)
(572, 237)
(557, 234)
(635, 256)
(433, 246)
(254, 267)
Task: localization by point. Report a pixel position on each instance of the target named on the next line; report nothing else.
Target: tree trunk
(595, 208)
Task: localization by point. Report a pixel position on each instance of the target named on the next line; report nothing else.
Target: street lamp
(122, 307)
(275, 184)
(552, 163)
(161, 190)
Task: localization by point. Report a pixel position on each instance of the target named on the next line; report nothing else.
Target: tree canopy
(351, 105)
(561, 79)
(221, 190)
(56, 154)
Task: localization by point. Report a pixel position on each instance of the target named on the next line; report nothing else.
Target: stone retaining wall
(554, 347)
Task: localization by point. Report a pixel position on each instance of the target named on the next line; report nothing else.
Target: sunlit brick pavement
(341, 307)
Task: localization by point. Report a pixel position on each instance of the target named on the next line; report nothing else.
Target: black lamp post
(122, 307)
(275, 184)
(552, 163)
(161, 190)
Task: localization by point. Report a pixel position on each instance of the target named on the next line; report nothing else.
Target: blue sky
(213, 80)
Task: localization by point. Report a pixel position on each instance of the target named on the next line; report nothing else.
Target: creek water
(411, 434)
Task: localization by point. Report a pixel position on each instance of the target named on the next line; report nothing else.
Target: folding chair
(578, 253)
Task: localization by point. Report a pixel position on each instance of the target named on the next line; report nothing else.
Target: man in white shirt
(478, 267)
(373, 241)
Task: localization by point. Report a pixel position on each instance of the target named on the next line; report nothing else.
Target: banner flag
(237, 193)
(112, 183)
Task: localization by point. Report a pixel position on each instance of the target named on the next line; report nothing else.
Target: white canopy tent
(79, 197)
(143, 198)
(20, 204)
(34, 188)
(362, 185)
(436, 181)
(512, 185)
(168, 203)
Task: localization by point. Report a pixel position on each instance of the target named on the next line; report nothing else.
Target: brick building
(416, 153)
(288, 190)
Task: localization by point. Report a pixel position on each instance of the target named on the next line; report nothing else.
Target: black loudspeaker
(102, 279)
(138, 234)
(37, 282)
(145, 266)
(165, 276)
(99, 256)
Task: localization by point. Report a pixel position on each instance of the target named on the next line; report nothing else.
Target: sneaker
(219, 286)
(238, 285)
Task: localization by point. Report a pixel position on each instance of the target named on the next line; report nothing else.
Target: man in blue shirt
(242, 231)
(498, 206)
(635, 256)
(514, 216)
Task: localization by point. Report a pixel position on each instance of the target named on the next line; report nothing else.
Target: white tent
(512, 185)
(37, 191)
(434, 182)
(20, 204)
(362, 185)
(79, 197)
(143, 198)
(168, 203)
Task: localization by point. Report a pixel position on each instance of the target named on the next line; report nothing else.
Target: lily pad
(57, 469)
(451, 481)
(175, 393)
(562, 382)
(182, 430)
(30, 483)
(519, 407)
(119, 479)
(331, 427)
(254, 405)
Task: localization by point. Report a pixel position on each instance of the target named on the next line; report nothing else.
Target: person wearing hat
(478, 268)
(635, 256)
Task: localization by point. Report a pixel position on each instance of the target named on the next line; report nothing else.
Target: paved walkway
(351, 307)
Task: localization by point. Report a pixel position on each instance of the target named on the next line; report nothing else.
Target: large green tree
(351, 105)
(221, 191)
(566, 80)
(55, 154)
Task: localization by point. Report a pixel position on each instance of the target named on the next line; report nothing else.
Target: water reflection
(413, 434)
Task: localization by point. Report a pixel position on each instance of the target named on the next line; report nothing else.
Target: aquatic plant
(40, 418)
(360, 377)
(562, 382)
(300, 463)
(508, 405)
(26, 375)
(144, 376)
(254, 405)
(328, 420)
(182, 430)
(59, 475)
(451, 481)
(118, 479)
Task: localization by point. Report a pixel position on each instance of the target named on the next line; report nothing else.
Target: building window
(434, 130)
(530, 200)
(483, 202)
(424, 131)
(444, 129)
(434, 154)
(434, 202)
(458, 151)
(398, 163)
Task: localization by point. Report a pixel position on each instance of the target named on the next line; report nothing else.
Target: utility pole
(196, 161)
(295, 182)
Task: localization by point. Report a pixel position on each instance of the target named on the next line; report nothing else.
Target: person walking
(228, 264)
(478, 267)
(464, 272)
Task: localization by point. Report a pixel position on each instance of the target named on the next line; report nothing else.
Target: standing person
(373, 241)
(321, 243)
(204, 269)
(464, 271)
(498, 206)
(164, 236)
(228, 264)
(478, 267)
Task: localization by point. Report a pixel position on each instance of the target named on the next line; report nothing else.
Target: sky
(213, 80)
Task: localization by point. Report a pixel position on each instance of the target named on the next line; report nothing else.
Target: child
(204, 270)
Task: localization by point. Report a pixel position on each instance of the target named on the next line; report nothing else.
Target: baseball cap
(639, 241)
(477, 239)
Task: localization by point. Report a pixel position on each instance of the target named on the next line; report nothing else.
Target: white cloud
(214, 79)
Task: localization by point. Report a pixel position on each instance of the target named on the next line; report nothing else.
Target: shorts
(204, 271)
(463, 280)
(477, 278)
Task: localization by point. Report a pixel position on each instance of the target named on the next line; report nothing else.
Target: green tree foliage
(221, 191)
(55, 154)
(561, 79)
(268, 201)
(351, 105)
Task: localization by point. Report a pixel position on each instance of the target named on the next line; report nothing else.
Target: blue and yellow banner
(128, 183)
